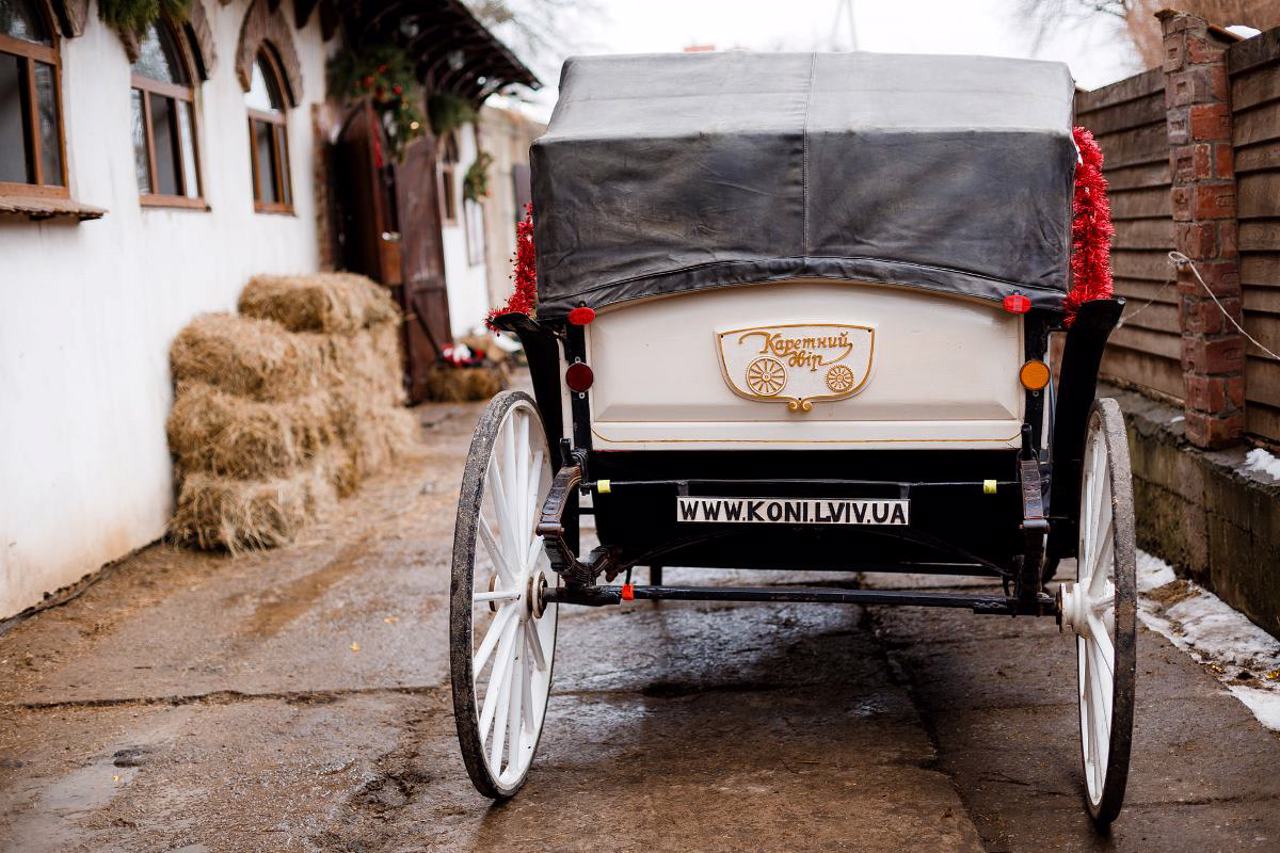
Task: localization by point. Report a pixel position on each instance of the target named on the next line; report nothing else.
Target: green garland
(384, 74)
(138, 16)
(475, 184)
(448, 112)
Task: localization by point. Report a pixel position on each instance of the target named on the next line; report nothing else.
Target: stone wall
(1204, 511)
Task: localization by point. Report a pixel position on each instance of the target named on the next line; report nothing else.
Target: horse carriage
(794, 312)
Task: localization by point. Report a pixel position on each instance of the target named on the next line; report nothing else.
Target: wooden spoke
(535, 646)
(501, 673)
(496, 627)
(495, 553)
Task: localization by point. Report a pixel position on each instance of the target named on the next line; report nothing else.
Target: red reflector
(582, 315)
(628, 592)
(1016, 303)
(579, 377)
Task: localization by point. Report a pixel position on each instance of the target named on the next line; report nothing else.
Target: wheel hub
(1076, 605)
(535, 596)
(1073, 607)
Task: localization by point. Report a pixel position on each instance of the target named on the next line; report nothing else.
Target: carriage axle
(598, 596)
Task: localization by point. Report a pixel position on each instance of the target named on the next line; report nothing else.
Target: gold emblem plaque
(796, 363)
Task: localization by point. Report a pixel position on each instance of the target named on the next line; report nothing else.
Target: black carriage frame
(1037, 503)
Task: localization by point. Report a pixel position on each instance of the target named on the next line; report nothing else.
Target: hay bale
(450, 384)
(370, 358)
(268, 425)
(372, 436)
(333, 303)
(236, 515)
(244, 356)
(213, 432)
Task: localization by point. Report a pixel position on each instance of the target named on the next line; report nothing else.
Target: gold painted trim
(794, 404)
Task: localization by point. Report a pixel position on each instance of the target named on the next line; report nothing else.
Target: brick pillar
(1197, 93)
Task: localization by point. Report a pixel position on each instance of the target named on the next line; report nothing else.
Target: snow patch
(1245, 32)
(1265, 704)
(1153, 572)
(1241, 655)
(1262, 462)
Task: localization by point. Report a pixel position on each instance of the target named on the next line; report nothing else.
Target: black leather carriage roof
(669, 173)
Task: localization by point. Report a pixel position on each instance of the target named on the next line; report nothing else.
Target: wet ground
(297, 700)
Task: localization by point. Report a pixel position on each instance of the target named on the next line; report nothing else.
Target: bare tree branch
(1049, 16)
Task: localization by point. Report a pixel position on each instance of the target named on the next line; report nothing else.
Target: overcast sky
(1096, 51)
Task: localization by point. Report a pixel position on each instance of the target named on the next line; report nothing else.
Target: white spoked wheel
(501, 641)
(1101, 608)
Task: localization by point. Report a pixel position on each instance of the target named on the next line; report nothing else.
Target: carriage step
(596, 596)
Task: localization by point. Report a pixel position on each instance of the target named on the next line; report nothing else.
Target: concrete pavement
(298, 700)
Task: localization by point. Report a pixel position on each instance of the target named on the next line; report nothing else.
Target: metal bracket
(1035, 528)
(551, 528)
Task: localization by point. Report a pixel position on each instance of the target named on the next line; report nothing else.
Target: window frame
(473, 222)
(279, 124)
(449, 179)
(29, 53)
(177, 92)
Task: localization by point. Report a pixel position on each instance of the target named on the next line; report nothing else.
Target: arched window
(164, 122)
(31, 143)
(268, 137)
(449, 178)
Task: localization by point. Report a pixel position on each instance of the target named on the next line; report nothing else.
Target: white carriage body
(928, 371)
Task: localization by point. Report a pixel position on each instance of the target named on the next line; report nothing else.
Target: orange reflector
(1034, 375)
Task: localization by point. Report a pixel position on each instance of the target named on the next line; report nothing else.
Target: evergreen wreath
(448, 112)
(135, 17)
(384, 74)
(475, 184)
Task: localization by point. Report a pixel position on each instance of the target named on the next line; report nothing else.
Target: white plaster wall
(87, 311)
(467, 284)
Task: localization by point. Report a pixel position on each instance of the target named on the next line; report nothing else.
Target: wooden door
(424, 299)
(369, 232)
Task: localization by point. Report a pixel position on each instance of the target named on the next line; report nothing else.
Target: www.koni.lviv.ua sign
(796, 363)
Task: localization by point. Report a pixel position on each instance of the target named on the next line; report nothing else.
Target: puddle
(51, 823)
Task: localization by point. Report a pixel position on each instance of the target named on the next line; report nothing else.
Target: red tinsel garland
(1091, 229)
(524, 300)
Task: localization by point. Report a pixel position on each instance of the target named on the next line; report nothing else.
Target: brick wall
(1193, 158)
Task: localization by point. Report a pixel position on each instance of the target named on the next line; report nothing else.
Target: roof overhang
(452, 50)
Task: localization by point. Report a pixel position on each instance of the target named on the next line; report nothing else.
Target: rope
(1180, 260)
(1144, 306)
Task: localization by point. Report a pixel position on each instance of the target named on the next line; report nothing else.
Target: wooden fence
(1129, 120)
(1255, 106)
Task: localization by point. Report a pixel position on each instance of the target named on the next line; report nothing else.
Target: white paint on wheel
(513, 647)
